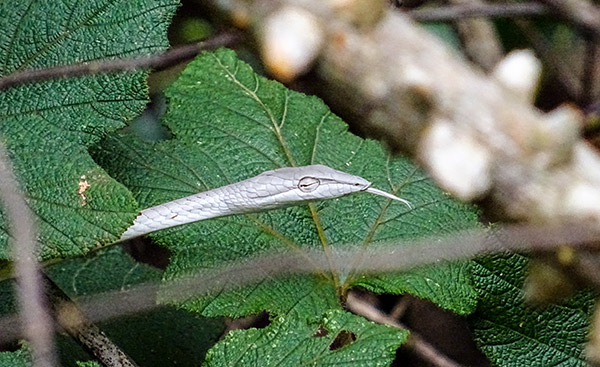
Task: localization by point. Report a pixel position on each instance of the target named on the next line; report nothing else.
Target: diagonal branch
(392, 257)
(415, 342)
(479, 136)
(454, 12)
(88, 334)
(161, 61)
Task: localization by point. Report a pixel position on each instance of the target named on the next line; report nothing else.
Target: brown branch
(456, 12)
(89, 336)
(158, 62)
(590, 70)
(415, 342)
(37, 322)
(391, 257)
(477, 137)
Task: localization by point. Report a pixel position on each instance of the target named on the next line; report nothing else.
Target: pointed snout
(375, 191)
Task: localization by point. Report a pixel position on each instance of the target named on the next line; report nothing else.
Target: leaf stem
(326, 248)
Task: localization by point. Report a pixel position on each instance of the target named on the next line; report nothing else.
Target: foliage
(269, 127)
(48, 126)
(228, 124)
(19, 358)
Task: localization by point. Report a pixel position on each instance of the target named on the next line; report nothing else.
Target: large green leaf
(230, 124)
(48, 126)
(513, 334)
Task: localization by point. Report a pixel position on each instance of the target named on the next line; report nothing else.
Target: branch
(172, 57)
(383, 258)
(88, 334)
(479, 136)
(415, 342)
(37, 322)
(478, 37)
(456, 12)
(590, 71)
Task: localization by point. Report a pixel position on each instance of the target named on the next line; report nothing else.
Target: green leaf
(20, 358)
(230, 124)
(337, 339)
(88, 364)
(47, 126)
(512, 334)
(8, 303)
(103, 271)
(165, 336)
(161, 337)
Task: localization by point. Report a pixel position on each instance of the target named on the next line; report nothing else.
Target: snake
(272, 189)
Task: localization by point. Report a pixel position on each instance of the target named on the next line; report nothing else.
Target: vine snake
(271, 189)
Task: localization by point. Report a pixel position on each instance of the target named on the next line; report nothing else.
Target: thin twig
(415, 342)
(158, 62)
(400, 308)
(38, 325)
(392, 257)
(456, 12)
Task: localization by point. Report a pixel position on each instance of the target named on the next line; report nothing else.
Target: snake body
(271, 189)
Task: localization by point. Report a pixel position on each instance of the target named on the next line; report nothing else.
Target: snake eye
(308, 184)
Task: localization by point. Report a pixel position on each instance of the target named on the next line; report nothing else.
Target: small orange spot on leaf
(83, 185)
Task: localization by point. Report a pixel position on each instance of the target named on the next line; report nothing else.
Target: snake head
(320, 182)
